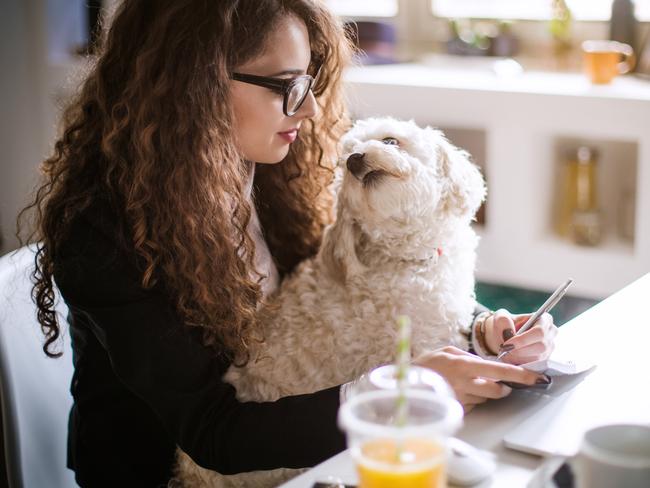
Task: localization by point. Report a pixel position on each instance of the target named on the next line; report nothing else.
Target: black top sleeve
(163, 363)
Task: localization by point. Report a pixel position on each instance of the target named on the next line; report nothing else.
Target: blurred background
(567, 162)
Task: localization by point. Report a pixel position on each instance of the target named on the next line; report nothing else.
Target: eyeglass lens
(297, 95)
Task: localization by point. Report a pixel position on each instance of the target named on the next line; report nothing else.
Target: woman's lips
(289, 135)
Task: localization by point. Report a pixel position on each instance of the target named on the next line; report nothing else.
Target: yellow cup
(604, 60)
(406, 453)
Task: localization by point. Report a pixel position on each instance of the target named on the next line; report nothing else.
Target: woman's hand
(534, 344)
(473, 379)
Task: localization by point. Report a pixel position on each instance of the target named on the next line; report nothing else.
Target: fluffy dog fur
(401, 244)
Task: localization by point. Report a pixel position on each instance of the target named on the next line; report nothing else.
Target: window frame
(580, 15)
(405, 8)
(420, 31)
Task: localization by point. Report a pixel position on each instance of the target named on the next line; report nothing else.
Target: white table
(616, 334)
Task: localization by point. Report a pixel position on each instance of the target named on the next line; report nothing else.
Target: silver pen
(546, 307)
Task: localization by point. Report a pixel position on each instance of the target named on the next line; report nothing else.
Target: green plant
(560, 23)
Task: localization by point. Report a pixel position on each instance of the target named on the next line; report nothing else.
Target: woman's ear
(463, 185)
(338, 253)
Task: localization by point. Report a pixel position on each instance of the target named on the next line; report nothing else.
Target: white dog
(401, 244)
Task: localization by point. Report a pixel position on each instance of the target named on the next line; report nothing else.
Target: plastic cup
(412, 455)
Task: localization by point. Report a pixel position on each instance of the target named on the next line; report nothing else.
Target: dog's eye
(390, 141)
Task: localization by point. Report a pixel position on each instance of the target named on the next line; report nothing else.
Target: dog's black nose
(356, 164)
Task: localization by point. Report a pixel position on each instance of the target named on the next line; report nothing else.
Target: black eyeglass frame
(282, 85)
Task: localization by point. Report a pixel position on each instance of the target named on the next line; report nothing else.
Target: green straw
(403, 361)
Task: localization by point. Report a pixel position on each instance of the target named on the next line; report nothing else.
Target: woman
(164, 236)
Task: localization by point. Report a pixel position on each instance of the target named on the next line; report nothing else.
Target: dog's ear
(338, 253)
(463, 185)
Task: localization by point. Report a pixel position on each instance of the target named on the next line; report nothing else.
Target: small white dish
(467, 465)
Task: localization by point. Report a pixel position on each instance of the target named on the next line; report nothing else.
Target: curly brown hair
(150, 131)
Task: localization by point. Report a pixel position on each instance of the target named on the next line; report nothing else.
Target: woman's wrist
(479, 341)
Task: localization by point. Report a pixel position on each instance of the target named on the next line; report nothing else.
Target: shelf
(545, 263)
(517, 129)
(485, 78)
(610, 249)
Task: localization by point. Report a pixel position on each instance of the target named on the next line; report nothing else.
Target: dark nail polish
(507, 334)
(514, 385)
(506, 347)
(543, 380)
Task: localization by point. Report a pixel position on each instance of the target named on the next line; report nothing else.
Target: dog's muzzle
(356, 165)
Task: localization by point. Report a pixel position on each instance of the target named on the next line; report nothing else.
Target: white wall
(36, 39)
(21, 103)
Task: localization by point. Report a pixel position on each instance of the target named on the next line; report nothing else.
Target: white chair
(35, 389)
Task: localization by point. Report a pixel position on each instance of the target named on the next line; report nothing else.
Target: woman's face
(262, 131)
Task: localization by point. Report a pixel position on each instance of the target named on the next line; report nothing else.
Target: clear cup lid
(376, 414)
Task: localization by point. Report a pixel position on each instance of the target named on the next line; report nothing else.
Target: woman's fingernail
(542, 380)
(506, 347)
(507, 334)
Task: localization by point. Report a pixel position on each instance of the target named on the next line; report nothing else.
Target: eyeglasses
(294, 90)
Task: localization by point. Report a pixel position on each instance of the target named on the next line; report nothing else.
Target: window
(488, 9)
(530, 9)
(364, 8)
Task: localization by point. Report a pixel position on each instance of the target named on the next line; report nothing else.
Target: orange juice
(415, 463)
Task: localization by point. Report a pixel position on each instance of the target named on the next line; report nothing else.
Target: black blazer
(143, 382)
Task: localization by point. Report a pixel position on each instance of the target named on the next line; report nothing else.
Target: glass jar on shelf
(580, 217)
